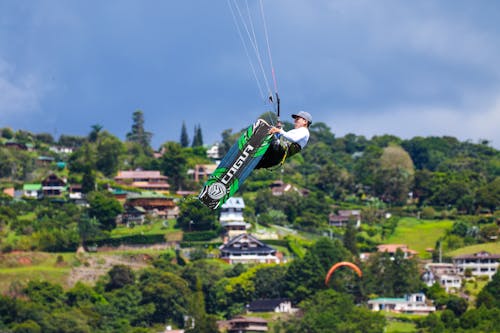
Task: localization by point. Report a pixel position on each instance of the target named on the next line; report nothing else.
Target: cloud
(409, 122)
(20, 94)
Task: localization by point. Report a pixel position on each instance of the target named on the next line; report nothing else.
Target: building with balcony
(411, 304)
(231, 217)
(247, 249)
(145, 180)
(480, 264)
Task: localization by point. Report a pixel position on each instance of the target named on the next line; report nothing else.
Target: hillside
(420, 235)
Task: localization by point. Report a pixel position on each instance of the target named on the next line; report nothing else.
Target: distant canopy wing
(340, 264)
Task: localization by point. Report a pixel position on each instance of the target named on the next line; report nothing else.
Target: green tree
(168, 293)
(184, 136)
(349, 239)
(124, 307)
(88, 228)
(82, 295)
(46, 138)
(320, 132)
(268, 282)
(330, 311)
(365, 167)
(7, 163)
(489, 296)
(119, 277)
(423, 186)
(197, 137)
(174, 164)
(460, 228)
(83, 158)
(391, 277)
(105, 208)
(138, 134)
(137, 156)
(45, 293)
(488, 196)
(194, 215)
(394, 177)
(94, 133)
(335, 181)
(457, 305)
(304, 277)
(88, 179)
(109, 152)
(71, 141)
(28, 326)
(7, 133)
(228, 139)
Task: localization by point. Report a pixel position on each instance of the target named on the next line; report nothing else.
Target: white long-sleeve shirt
(299, 135)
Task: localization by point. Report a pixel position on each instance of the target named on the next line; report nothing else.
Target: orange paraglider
(340, 264)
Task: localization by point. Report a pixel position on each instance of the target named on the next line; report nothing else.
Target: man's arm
(294, 135)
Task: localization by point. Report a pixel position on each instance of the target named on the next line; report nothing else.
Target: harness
(290, 148)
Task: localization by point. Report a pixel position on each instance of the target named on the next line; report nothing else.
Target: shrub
(428, 213)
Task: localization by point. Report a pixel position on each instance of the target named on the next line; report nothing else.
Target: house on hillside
(119, 194)
(150, 180)
(19, 145)
(153, 203)
(231, 217)
(411, 304)
(201, 171)
(12, 192)
(53, 186)
(342, 218)
(247, 249)
(213, 152)
(44, 160)
(392, 248)
(480, 264)
(279, 305)
(169, 329)
(32, 190)
(443, 273)
(61, 150)
(242, 324)
(75, 192)
(279, 188)
(133, 215)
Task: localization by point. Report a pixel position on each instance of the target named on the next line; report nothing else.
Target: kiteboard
(236, 165)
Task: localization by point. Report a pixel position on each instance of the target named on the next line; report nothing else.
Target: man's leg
(273, 156)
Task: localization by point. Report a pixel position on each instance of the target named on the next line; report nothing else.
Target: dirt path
(96, 265)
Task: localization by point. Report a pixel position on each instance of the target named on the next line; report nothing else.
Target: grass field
(57, 275)
(157, 227)
(25, 266)
(419, 234)
(400, 323)
(400, 327)
(489, 247)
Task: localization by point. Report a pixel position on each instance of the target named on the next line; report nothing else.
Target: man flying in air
(295, 140)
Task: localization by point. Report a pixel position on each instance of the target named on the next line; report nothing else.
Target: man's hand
(274, 130)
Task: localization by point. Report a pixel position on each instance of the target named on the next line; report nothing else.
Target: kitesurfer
(295, 140)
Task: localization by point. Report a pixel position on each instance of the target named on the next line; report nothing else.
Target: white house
(231, 217)
(32, 190)
(213, 152)
(278, 305)
(413, 304)
(480, 263)
(247, 249)
(443, 273)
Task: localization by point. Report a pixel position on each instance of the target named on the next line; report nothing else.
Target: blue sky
(407, 68)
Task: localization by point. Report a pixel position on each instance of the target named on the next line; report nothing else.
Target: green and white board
(236, 165)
